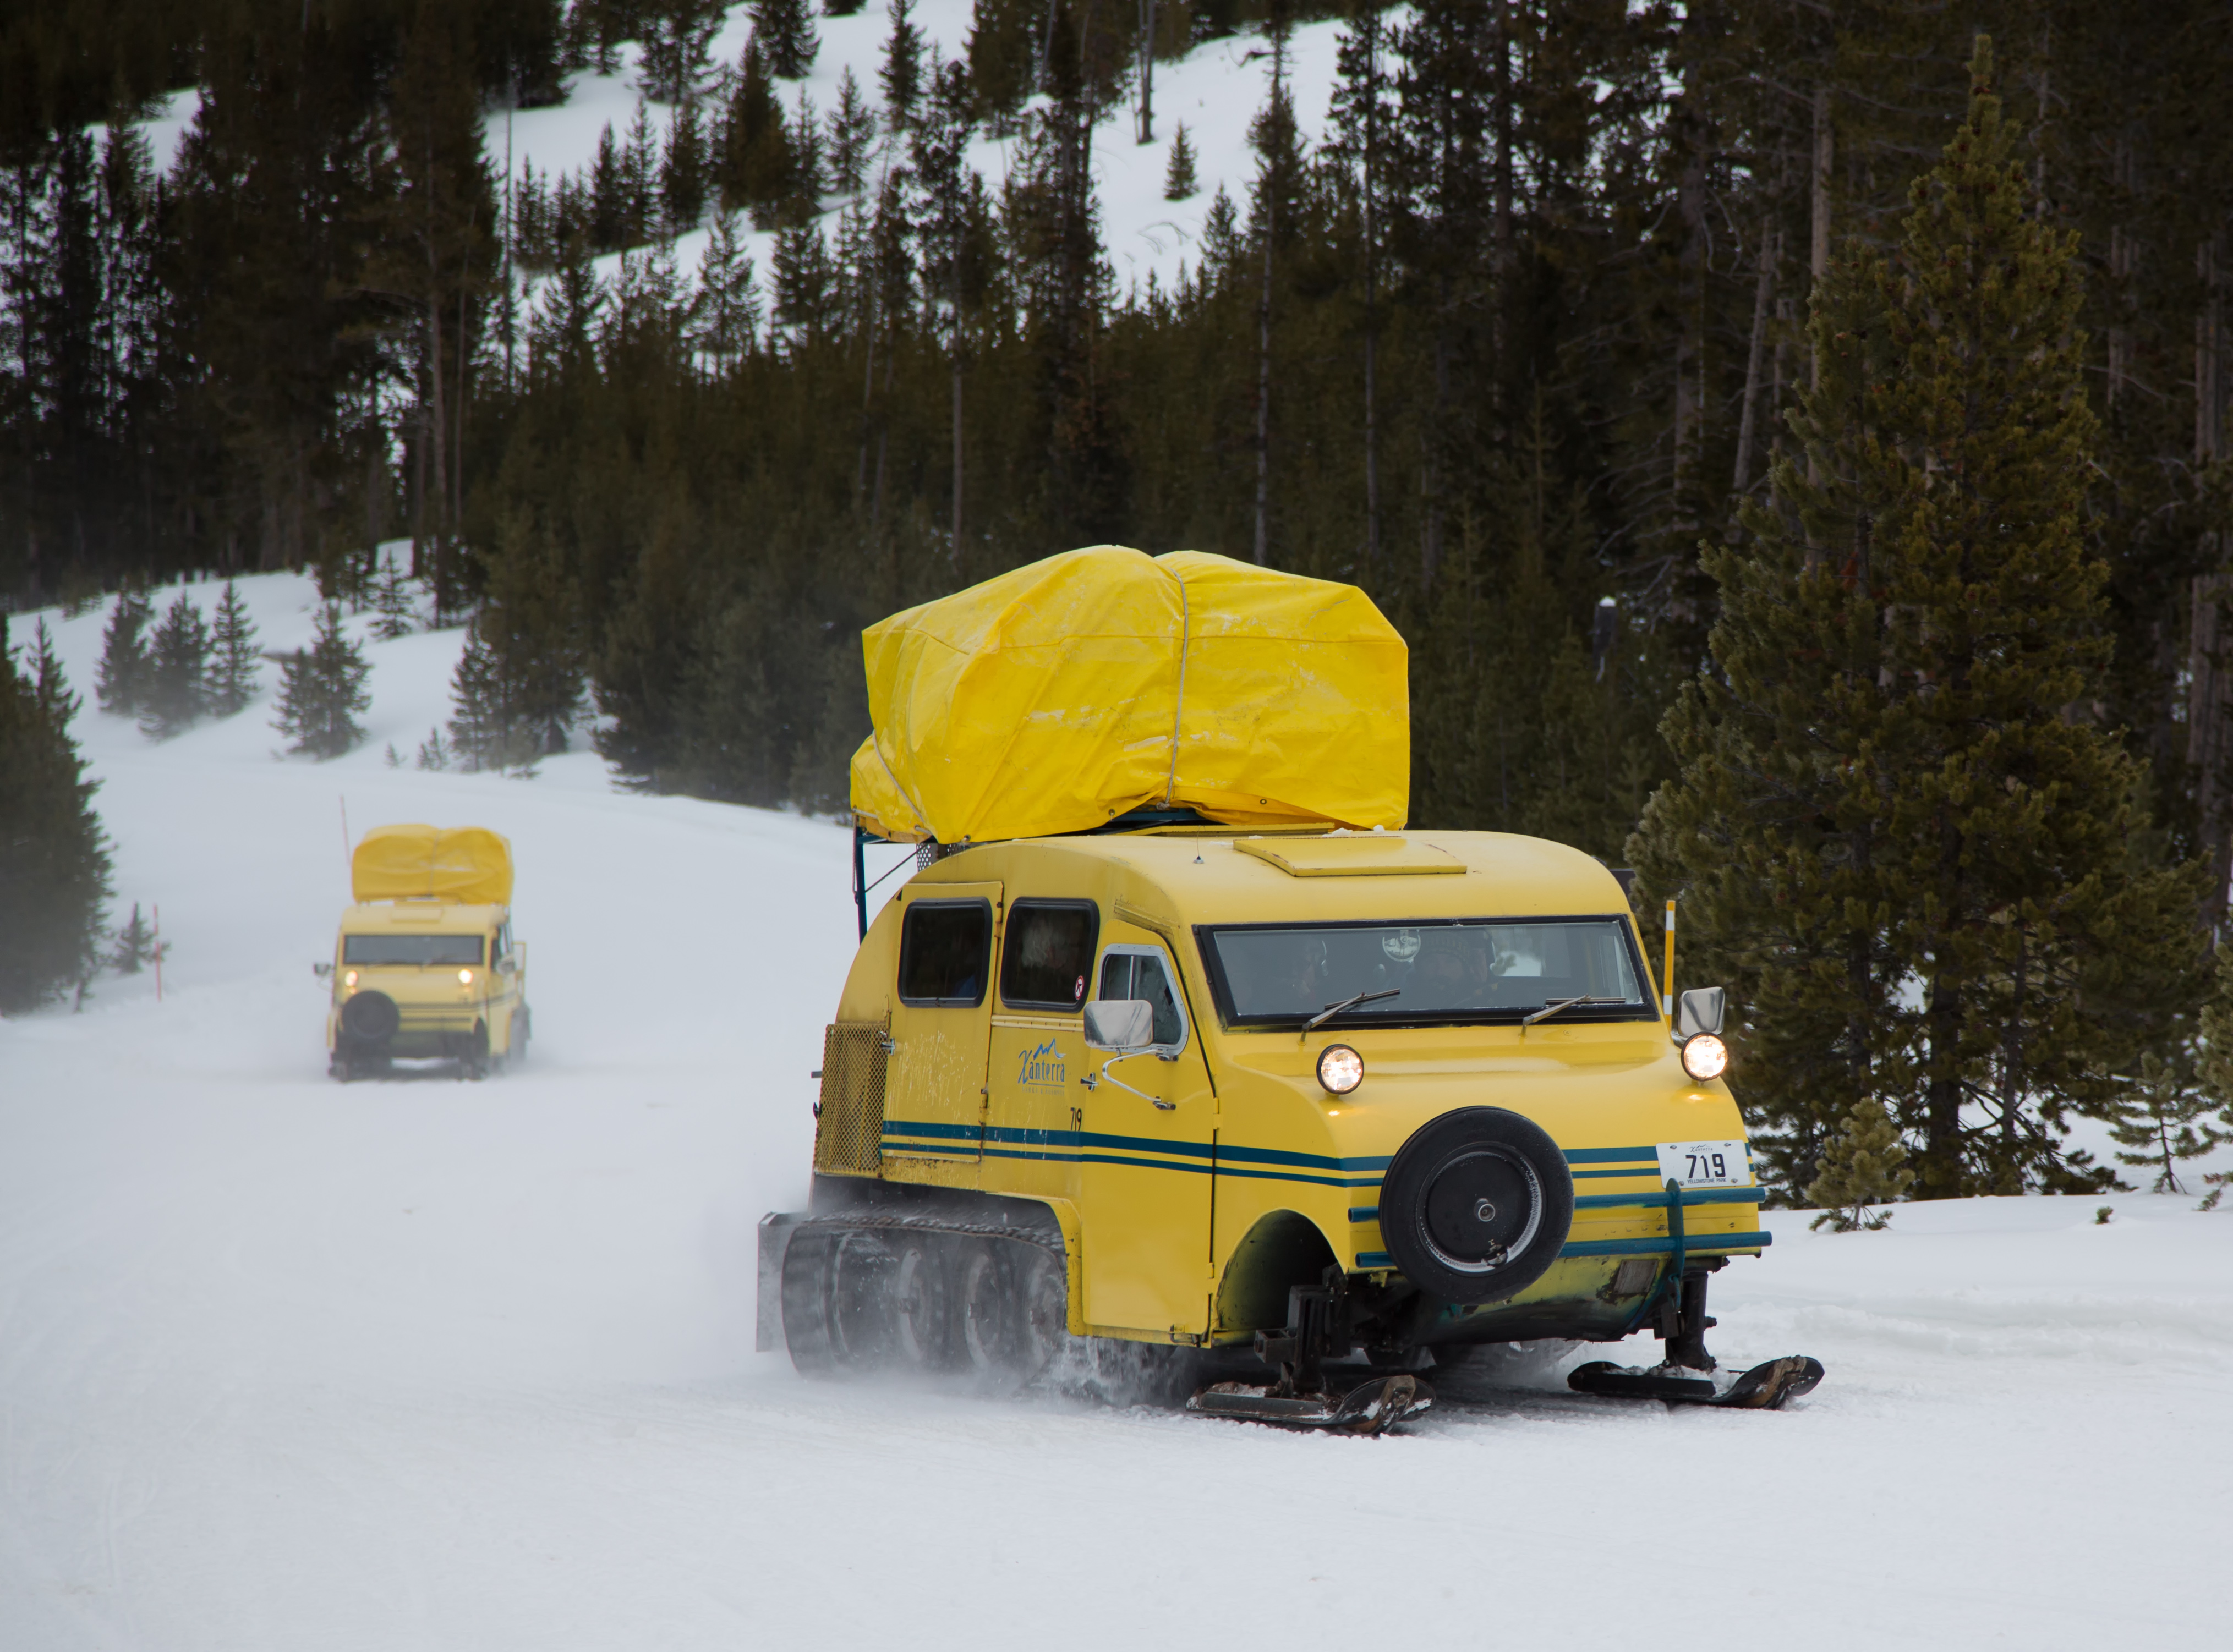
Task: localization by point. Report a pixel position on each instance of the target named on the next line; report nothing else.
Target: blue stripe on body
(1658, 1200)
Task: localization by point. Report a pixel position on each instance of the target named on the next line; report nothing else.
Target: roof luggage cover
(463, 866)
(1058, 696)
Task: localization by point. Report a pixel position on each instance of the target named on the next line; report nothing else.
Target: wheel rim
(918, 1308)
(1482, 1208)
(1045, 1314)
(983, 1318)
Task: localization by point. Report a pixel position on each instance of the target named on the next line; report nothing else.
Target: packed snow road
(287, 1364)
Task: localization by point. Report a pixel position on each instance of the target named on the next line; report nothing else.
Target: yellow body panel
(1156, 1204)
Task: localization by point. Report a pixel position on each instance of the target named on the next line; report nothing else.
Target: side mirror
(505, 965)
(321, 971)
(1699, 1009)
(1121, 1024)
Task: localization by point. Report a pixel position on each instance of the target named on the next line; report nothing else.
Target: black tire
(1477, 1205)
(370, 1018)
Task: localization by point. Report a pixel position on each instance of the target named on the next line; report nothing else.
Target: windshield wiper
(1557, 1004)
(1333, 1010)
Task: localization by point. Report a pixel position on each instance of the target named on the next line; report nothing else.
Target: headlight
(349, 980)
(466, 978)
(1341, 1070)
(1704, 1056)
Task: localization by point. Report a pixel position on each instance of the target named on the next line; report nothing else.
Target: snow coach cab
(1225, 1079)
(425, 966)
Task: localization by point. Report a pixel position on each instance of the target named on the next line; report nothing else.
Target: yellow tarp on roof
(466, 865)
(1058, 696)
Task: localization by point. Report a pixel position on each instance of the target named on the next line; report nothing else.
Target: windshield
(1461, 969)
(411, 949)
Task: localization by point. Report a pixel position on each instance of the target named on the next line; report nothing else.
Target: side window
(945, 946)
(1142, 975)
(1048, 953)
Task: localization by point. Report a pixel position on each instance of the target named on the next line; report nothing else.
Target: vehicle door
(502, 986)
(1039, 1045)
(1147, 1132)
(934, 1100)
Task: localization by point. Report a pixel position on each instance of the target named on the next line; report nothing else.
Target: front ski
(1366, 1410)
(1764, 1387)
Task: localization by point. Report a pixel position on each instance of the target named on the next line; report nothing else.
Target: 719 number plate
(1705, 1164)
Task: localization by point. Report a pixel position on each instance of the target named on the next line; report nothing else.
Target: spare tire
(370, 1018)
(1476, 1206)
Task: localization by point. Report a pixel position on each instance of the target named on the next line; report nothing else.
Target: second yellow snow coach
(1177, 1048)
(426, 964)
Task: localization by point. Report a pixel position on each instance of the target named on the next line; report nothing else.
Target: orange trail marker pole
(1667, 1003)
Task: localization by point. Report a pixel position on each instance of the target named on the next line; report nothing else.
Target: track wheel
(922, 1319)
(806, 1301)
(984, 1312)
(1043, 1317)
(861, 1269)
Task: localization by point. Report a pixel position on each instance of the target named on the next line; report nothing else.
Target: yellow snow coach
(1179, 1056)
(426, 964)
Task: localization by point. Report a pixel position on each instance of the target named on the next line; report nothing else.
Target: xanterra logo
(1041, 1066)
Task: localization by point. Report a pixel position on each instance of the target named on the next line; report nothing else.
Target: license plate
(1705, 1164)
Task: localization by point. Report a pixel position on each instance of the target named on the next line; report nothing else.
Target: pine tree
(322, 690)
(852, 130)
(1864, 1164)
(135, 948)
(727, 318)
(174, 695)
(677, 36)
(1878, 784)
(1179, 183)
(54, 855)
(2164, 1121)
(122, 678)
(685, 171)
(234, 669)
(432, 752)
(1003, 54)
(50, 689)
(807, 174)
(756, 159)
(519, 687)
(901, 76)
(393, 600)
(785, 31)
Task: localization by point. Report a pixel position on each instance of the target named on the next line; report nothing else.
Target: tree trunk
(1761, 294)
(2209, 684)
(1264, 385)
(1824, 153)
(1500, 235)
(956, 551)
(1147, 131)
(1371, 24)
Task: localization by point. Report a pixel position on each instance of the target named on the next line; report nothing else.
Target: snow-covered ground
(290, 1365)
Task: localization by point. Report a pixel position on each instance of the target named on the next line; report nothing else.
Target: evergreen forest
(1603, 342)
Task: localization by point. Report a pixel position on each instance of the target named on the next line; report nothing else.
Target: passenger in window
(1451, 971)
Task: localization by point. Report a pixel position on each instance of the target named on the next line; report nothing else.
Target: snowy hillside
(288, 1366)
(1215, 91)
